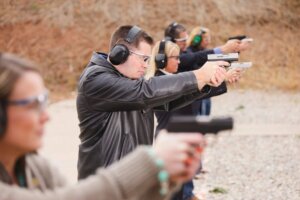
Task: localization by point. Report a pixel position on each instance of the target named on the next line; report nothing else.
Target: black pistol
(199, 124)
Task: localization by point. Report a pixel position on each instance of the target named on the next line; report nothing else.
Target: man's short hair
(119, 35)
(173, 31)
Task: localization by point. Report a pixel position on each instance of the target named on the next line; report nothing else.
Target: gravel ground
(257, 107)
(260, 158)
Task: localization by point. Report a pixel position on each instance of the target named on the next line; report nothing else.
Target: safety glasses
(182, 39)
(174, 57)
(37, 103)
(143, 57)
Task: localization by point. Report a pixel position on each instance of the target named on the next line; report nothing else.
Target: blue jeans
(205, 107)
(188, 188)
(185, 192)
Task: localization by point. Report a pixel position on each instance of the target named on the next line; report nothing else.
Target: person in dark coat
(200, 40)
(115, 103)
(169, 67)
(191, 60)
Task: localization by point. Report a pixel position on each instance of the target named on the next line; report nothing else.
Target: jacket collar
(165, 72)
(19, 171)
(100, 59)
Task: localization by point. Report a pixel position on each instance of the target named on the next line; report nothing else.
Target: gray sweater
(134, 177)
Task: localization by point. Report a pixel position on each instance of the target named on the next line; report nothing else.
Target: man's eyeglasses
(143, 57)
(38, 103)
(175, 57)
(181, 39)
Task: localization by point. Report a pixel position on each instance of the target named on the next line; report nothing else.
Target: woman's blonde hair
(170, 47)
(196, 31)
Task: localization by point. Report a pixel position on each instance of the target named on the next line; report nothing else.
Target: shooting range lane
(257, 160)
(260, 158)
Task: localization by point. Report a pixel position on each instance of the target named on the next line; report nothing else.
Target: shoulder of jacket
(95, 68)
(46, 169)
(91, 71)
(37, 161)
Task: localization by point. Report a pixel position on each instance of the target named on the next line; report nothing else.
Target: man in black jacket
(115, 103)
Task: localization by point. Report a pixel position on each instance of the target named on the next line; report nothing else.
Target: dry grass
(60, 35)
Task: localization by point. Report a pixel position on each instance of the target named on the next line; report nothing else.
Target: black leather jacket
(116, 113)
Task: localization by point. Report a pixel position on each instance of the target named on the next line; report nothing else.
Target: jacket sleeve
(184, 100)
(44, 172)
(105, 91)
(193, 60)
(111, 183)
(215, 91)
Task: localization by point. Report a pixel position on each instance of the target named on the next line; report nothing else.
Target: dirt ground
(60, 35)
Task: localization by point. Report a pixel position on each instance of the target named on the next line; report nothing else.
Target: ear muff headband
(161, 58)
(133, 32)
(120, 52)
(2, 118)
(2, 113)
(171, 32)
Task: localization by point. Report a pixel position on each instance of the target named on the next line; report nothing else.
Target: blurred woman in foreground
(146, 173)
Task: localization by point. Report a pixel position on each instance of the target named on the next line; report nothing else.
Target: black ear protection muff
(170, 34)
(198, 38)
(2, 118)
(2, 114)
(120, 52)
(161, 58)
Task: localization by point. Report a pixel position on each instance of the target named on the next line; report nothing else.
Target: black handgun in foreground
(199, 124)
(230, 57)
